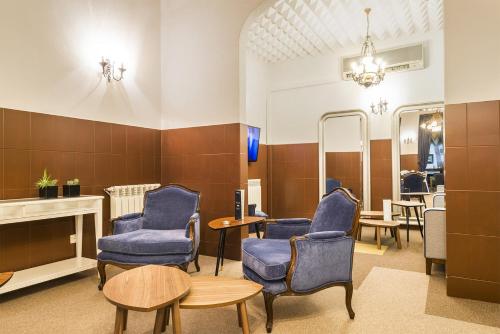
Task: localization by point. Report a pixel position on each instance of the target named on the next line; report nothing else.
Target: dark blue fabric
(169, 208)
(335, 212)
(321, 262)
(287, 228)
(325, 235)
(274, 286)
(127, 225)
(269, 258)
(148, 242)
(130, 216)
(144, 259)
(332, 184)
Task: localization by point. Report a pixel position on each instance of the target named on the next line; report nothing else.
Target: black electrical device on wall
(238, 204)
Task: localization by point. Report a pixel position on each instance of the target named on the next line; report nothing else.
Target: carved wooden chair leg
(268, 301)
(196, 263)
(101, 268)
(348, 298)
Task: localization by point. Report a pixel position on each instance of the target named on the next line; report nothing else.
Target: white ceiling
(298, 28)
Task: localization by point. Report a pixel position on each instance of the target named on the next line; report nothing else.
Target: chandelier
(368, 72)
(435, 123)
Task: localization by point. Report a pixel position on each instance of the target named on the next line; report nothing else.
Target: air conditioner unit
(408, 58)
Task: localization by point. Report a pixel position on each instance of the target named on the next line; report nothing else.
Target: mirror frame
(396, 141)
(365, 135)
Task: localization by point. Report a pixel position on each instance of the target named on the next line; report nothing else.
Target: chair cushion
(148, 242)
(268, 258)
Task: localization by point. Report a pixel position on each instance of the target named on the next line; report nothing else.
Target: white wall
(472, 48)
(301, 91)
(256, 89)
(50, 53)
(342, 134)
(200, 61)
(409, 129)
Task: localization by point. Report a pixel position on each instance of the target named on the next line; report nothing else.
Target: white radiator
(127, 199)
(254, 193)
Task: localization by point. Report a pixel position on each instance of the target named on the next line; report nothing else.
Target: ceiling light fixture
(108, 70)
(368, 72)
(435, 123)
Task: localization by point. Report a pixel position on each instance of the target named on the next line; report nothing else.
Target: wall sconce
(379, 108)
(108, 70)
(408, 140)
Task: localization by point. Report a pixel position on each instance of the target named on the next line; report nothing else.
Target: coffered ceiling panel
(297, 28)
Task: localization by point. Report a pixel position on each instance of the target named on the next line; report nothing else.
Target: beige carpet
(397, 300)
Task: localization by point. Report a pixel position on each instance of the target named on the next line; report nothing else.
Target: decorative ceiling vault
(292, 29)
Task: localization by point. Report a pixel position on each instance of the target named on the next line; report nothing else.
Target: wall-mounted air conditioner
(408, 58)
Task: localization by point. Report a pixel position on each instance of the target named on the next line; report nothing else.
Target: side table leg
(160, 315)
(418, 221)
(125, 318)
(223, 249)
(244, 318)
(219, 253)
(257, 226)
(119, 320)
(238, 310)
(407, 210)
(398, 237)
(166, 319)
(377, 233)
(176, 318)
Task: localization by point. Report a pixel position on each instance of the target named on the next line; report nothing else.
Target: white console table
(31, 209)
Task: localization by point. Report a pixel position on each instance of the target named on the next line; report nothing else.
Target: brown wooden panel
(455, 125)
(258, 170)
(347, 168)
(484, 168)
(380, 172)
(483, 124)
(473, 289)
(409, 162)
(68, 148)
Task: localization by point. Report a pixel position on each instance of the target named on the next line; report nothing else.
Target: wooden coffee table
(210, 292)
(5, 277)
(392, 225)
(222, 225)
(376, 214)
(145, 289)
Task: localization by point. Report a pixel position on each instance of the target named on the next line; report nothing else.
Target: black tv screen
(253, 143)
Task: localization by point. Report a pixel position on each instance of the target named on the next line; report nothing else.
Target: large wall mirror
(418, 151)
(343, 154)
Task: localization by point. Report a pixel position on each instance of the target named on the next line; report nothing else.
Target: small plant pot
(48, 192)
(72, 190)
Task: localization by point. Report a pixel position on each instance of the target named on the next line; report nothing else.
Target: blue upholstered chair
(167, 232)
(298, 257)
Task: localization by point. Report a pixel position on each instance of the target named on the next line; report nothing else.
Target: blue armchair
(167, 232)
(299, 256)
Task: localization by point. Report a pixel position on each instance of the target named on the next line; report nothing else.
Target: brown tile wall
(258, 170)
(409, 162)
(293, 180)
(346, 167)
(99, 154)
(380, 172)
(473, 199)
(212, 160)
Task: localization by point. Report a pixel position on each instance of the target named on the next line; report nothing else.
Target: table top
(408, 204)
(377, 214)
(5, 277)
(219, 223)
(421, 193)
(210, 291)
(147, 288)
(377, 222)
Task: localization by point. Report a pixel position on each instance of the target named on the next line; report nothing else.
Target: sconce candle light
(108, 70)
(379, 108)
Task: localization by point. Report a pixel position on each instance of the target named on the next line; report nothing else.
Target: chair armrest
(319, 260)
(435, 233)
(325, 235)
(127, 223)
(286, 228)
(193, 231)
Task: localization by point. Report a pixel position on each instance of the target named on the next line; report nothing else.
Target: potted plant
(47, 186)
(71, 188)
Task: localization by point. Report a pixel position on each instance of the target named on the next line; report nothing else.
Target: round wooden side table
(146, 289)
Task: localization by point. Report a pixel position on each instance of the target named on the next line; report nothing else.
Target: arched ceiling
(291, 29)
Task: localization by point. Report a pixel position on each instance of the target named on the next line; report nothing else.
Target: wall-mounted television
(253, 143)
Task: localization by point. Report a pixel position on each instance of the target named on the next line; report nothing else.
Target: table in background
(145, 289)
(420, 195)
(210, 292)
(222, 225)
(407, 205)
(392, 225)
(376, 214)
(14, 211)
